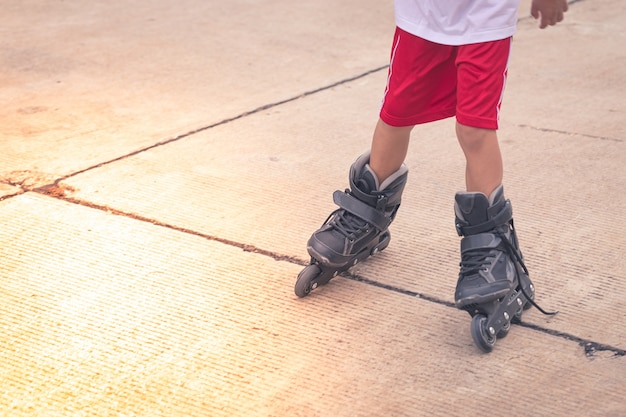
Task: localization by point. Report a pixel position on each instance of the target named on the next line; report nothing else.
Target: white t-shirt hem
(462, 39)
(458, 22)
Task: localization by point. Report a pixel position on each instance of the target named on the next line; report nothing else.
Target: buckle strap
(480, 241)
(360, 209)
(504, 216)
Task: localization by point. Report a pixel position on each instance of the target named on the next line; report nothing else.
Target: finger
(534, 12)
(560, 17)
(556, 17)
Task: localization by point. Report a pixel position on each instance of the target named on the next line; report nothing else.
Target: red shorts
(429, 81)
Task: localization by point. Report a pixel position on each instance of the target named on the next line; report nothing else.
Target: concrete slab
(107, 315)
(83, 84)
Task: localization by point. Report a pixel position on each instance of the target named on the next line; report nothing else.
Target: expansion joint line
(590, 347)
(228, 120)
(46, 189)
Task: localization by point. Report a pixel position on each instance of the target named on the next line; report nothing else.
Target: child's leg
(482, 73)
(483, 171)
(389, 148)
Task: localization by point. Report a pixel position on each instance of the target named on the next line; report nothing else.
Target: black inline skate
(355, 231)
(493, 286)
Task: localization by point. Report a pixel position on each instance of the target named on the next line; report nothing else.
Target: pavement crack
(57, 191)
(563, 132)
(396, 289)
(590, 347)
(6, 197)
(228, 120)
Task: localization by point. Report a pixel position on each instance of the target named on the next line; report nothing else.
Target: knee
(474, 139)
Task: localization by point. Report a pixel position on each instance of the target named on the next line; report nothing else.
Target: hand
(550, 11)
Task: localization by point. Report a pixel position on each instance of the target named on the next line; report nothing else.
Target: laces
(514, 253)
(474, 262)
(346, 223)
(478, 260)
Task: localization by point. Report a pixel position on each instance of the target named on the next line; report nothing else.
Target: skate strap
(361, 210)
(504, 216)
(480, 241)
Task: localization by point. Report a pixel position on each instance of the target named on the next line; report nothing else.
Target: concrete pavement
(162, 165)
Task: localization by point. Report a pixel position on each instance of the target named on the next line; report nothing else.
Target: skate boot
(357, 229)
(493, 285)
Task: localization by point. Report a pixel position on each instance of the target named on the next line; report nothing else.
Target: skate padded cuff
(503, 217)
(361, 210)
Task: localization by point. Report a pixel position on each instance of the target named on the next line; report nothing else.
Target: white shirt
(458, 22)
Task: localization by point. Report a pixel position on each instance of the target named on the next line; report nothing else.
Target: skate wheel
(504, 331)
(305, 277)
(482, 338)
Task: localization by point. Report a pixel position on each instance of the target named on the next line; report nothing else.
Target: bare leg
(483, 172)
(389, 148)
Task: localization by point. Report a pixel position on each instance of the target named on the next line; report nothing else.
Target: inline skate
(493, 285)
(358, 229)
